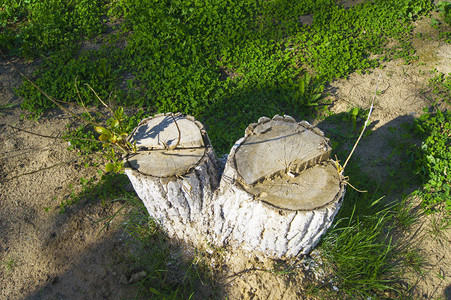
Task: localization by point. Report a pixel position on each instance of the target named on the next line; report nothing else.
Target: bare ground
(48, 255)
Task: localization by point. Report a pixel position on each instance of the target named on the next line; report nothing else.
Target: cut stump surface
(279, 191)
(285, 164)
(154, 139)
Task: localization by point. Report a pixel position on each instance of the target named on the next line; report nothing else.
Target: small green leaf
(119, 113)
(154, 291)
(109, 167)
(115, 123)
(104, 137)
(100, 129)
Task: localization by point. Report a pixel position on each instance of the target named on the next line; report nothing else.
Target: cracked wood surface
(174, 184)
(286, 164)
(294, 192)
(155, 139)
(278, 194)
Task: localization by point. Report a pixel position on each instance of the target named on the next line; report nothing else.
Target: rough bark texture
(278, 194)
(175, 200)
(278, 208)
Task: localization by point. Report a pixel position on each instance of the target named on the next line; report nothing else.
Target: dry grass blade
(83, 104)
(363, 129)
(180, 133)
(97, 96)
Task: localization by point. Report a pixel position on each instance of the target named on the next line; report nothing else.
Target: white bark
(278, 194)
(176, 200)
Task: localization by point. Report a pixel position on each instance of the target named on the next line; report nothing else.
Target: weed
(403, 145)
(366, 259)
(362, 255)
(83, 138)
(174, 54)
(414, 260)
(33, 28)
(172, 60)
(405, 214)
(445, 10)
(58, 74)
(435, 23)
(114, 133)
(439, 224)
(350, 125)
(8, 106)
(9, 264)
(433, 160)
(307, 92)
(441, 86)
(75, 197)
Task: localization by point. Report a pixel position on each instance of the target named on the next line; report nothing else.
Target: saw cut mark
(168, 146)
(287, 165)
(286, 145)
(312, 188)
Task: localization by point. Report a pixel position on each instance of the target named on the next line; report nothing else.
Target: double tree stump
(278, 193)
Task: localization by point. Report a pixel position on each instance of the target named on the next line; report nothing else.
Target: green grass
(362, 256)
(225, 62)
(445, 11)
(8, 263)
(363, 249)
(433, 160)
(440, 85)
(59, 74)
(35, 28)
(8, 106)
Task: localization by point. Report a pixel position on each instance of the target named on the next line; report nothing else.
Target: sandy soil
(47, 255)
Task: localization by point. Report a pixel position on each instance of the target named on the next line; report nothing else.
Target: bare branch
(83, 105)
(99, 98)
(55, 137)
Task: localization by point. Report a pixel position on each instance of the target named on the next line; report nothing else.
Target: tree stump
(174, 171)
(279, 191)
(278, 194)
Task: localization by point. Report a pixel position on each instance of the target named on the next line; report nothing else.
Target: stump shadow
(92, 257)
(384, 154)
